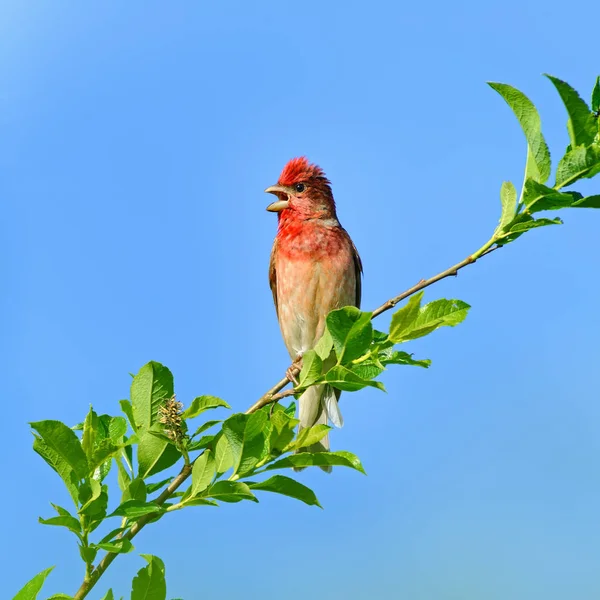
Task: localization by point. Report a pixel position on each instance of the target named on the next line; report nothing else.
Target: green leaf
(112, 534)
(204, 427)
(351, 331)
(291, 409)
(312, 367)
(230, 491)
(60, 465)
(280, 484)
(233, 430)
(223, 455)
(200, 502)
(71, 523)
(206, 441)
(133, 509)
(527, 225)
(60, 597)
(340, 458)
(150, 388)
(136, 490)
(120, 546)
(149, 583)
(404, 318)
(154, 455)
(32, 588)
(202, 403)
(90, 427)
(127, 409)
(538, 197)
(508, 198)
(523, 223)
(153, 487)
(348, 381)
(203, 472)
(103, 453)
(109, 595)
(282, 433)
(308, 437)
(255, 446)
(95, 509)
(396, 357)
(65, 443)
(596, 96)
(439, 313)
(123, 478)
(88, 554)
(580, 162)
(63, 512)
(324, 346)
(581, 124)
(113, 427)
(538, 155)
(588, 202)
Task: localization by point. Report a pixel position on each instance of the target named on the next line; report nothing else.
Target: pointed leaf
(596, 96)
(230, 491)
(324, 346)
(538, 155)
(312, 367)
(280, 484)
(588, 202)
(127, 409)
(132, 509)
(538, 197)
(203, 472)
(581, 124)
(150, 388)
(309, 436)
(71, 523)
(149, 583)
(119, 546)
(346, 380)
(404, 318)
(60, 465)
(340, 458)
(65, 443)
(578, 163)
(32, 588)
(351, 331)
(204, 427)
(508, 198)
(154, 455)
(202, 403)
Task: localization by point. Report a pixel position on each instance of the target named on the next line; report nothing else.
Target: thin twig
(273, 395)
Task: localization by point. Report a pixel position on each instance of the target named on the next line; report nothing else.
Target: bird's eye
(299, 187)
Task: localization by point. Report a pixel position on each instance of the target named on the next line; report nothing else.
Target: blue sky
(137, 140)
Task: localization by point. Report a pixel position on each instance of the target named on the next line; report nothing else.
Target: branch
(273, 395)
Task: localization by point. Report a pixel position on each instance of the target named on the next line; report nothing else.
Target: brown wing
(358, 269)
(273, 275)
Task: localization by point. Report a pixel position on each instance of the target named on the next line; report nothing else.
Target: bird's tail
(318, 405)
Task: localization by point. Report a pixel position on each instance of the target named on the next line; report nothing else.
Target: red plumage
(314, 269)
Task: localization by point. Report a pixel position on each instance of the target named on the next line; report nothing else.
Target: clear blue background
(136, 141)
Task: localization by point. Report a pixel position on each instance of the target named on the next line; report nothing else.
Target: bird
(314, 268)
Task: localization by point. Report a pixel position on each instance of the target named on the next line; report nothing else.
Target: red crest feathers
(299, 169)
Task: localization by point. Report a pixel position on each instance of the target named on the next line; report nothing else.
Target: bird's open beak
(278, 205)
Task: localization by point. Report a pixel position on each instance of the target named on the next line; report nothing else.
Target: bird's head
(302, 191)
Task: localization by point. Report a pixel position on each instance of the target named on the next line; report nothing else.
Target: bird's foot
(294, 369)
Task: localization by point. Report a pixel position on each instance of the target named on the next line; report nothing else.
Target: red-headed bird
(314, 269)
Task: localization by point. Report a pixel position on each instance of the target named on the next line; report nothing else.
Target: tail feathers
(318, 405)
